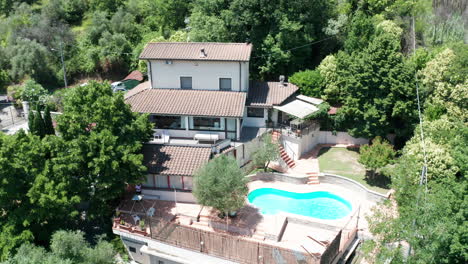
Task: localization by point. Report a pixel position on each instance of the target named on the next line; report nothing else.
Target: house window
(162, 181)
(186, 82)
(160, 262)
(209, 123)
(176, 182)
(188, 183)
(132, 249)
(167, 122)
(255, 112)
(225, 84)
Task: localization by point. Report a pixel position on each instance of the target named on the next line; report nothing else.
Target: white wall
(292, 146)
(327, 137)
(245, 76)
(183, 197)
(205, 74)
(296, 147)
(255, 121)
(138, 255)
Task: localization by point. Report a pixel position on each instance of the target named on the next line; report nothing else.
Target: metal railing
(287, 130)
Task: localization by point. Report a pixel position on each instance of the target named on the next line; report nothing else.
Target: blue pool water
(322, 205)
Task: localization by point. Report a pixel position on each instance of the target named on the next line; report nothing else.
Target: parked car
(118, 87)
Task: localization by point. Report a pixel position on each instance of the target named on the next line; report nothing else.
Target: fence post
(11, 115)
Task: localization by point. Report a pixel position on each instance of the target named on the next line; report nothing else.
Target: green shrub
(34, 92)
(309, 82)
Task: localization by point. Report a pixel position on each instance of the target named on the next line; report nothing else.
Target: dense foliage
(431, 218)
(70, 180)
(221, 184)
(309, 82)
(66, 247)
(377, 155)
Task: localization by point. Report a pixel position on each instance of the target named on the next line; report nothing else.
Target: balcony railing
(297, 130)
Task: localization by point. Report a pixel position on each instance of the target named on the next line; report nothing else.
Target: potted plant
(141, 230)
(124, 226)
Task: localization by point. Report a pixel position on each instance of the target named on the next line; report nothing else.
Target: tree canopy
(221, 184)
(377, 155)
(66, 247)
(69, 180)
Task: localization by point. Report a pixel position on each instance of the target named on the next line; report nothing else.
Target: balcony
(297, 128)
(199, 139)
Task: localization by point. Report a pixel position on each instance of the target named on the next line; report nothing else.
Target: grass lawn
(344, 162)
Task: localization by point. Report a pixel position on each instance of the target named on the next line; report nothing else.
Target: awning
(301, 106)
(298, 108)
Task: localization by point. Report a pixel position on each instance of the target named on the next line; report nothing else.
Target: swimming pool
(321, 204)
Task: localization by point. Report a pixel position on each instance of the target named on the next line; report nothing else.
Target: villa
(202, 102)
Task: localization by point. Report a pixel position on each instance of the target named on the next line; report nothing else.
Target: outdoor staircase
(290, 162)
(312, 178)
(275, 136)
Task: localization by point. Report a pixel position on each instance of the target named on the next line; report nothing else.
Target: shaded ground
(344, 162)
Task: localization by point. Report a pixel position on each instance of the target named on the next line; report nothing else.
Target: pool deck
(296, 232)
(357, 200)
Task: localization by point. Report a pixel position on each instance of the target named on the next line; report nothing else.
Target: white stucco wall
(255, 121)
(138, 256)
(205, 74)
(292, 146)
(327, 137)
(183, 197)
(296, 147)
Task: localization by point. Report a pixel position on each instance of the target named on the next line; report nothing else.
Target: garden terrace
(260, 238)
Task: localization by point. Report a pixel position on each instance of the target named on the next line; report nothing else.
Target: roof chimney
(281, 79)
(202, 53)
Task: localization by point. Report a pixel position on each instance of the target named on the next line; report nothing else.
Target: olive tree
(221, 184)
(376, 155)
(267, 151)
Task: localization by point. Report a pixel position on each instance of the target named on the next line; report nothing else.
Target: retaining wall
(327, 137)
(274, 176)
(353, 185)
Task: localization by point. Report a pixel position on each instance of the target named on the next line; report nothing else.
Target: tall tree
(39, 126)
(31, 124)
(221, 184)
(48, 126)
(108, 137)
(378, 88)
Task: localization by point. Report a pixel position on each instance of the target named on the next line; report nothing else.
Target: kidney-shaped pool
(321, 205)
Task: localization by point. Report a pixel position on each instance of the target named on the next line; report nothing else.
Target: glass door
(231, 132)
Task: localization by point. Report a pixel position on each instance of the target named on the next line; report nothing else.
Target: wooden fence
(234, 248)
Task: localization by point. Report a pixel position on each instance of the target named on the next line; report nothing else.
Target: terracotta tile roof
(192, 51)
(135, 75)
(140, 87)
(269, 93)
(188, 102)
(174, 160)
(333, 110)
